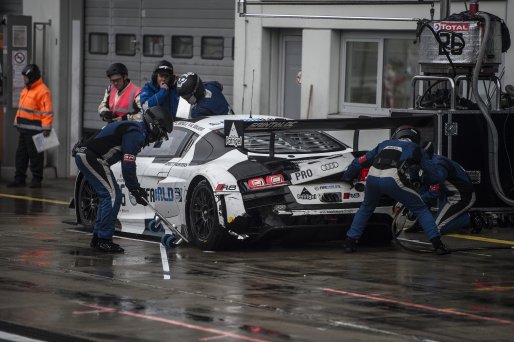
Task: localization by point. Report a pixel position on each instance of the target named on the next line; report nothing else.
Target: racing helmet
(191, 88)
(117, 69)
(159, 123)
(163, 67)
(32, 72)
(407, 132)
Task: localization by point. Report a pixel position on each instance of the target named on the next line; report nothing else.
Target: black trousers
(27, 151)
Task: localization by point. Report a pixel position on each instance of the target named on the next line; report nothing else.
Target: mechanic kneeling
(394, 171)
(118, 141)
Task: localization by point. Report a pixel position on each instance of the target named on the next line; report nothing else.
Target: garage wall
(194, 18)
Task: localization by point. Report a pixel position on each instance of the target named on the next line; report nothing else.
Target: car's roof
(213, 123)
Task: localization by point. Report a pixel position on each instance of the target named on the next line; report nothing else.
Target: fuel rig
(460, 85)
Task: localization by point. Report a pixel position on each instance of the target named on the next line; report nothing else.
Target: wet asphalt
(54, 287)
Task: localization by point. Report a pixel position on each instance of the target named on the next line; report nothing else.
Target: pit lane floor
(54, 287)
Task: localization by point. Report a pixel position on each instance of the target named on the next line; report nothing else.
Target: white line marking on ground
(165, 263)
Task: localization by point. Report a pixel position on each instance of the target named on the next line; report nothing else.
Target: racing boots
(439, 247)
(349, 245)
(106, 245)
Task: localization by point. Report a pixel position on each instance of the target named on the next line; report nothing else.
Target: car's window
(171, 148)
(293, 142)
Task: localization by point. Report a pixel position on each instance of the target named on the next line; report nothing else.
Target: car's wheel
(87, 203)
(204, 229)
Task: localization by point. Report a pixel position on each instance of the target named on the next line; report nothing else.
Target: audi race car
(223, 179)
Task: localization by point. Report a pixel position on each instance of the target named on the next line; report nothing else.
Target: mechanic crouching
(118, 141)
(395, 166)
(454, 196)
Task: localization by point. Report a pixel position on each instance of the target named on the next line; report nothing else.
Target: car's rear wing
(235, 129)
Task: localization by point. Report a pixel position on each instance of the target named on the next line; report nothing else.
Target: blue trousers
(376, 187)
(101, 178)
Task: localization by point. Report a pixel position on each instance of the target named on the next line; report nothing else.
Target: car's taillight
(266, 182)
(364, 174)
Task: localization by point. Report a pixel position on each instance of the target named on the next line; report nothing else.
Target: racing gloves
(107, 116)
(140, 195)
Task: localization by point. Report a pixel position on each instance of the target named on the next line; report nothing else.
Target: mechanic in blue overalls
(206, 98)
(395, 166)
(118, 141)
(453, 196)
(162, 90)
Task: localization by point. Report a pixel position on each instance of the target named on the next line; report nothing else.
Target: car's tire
(87, 202)
(204, 229)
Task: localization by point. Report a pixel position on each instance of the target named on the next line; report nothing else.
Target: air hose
(396, 231)
(492, 132)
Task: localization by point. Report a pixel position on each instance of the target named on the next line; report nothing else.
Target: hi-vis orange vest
(125, 102)
(35, 110)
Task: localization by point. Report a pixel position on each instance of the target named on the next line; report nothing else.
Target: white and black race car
(223, 179)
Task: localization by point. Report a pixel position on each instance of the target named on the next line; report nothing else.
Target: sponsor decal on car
(351, 195)
(272, 125)
(329, 166)
(304, 174)
(225, 187)
(233, 138)
(306, 195)
(328, 187)
(191, 125)
(176, 164)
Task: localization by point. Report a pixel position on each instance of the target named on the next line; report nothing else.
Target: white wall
(321, 51)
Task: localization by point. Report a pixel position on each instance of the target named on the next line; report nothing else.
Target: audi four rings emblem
(329, 166)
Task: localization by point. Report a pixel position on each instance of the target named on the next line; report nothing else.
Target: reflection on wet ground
(53, 285)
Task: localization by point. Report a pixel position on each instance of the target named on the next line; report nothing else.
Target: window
(293, 142)
(153, 46)
(212, 47)
(126, 44)
(182, 46)
(170, 148)
(377, 74)
(98, 43)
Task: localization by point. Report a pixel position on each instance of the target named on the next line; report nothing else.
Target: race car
(230, 178)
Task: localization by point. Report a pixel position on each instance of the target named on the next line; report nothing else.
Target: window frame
(192, 46)
(147, 152)
(371, 36)
(99, 34)
(116, 44)
(153, 35)
(222, 48)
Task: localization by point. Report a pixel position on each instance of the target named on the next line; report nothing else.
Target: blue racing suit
(118, 141)
(214, 102)
(394, 171)
(152, 95)
(455, 195)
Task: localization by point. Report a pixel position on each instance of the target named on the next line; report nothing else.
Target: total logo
(306, 195)
(329, 166)
(452, 26)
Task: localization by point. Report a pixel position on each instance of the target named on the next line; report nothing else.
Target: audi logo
(329, 166)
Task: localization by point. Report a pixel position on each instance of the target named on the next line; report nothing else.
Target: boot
(15, 184)
(106, 245)
(349, 245)
(94, 241)
(439, 247)
(35, 184)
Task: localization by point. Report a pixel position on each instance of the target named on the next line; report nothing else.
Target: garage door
(194, 35)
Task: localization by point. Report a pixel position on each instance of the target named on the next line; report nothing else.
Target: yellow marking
(34, 199)
(231, 219)
(496, 288)
(478, 238)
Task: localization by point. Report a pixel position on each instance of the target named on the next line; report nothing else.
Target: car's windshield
(293, 142)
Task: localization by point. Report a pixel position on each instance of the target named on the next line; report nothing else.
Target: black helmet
(117, 69)
(32, 72)
(163, 67)
(407, 132)
(190, 87)
(159, 123)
